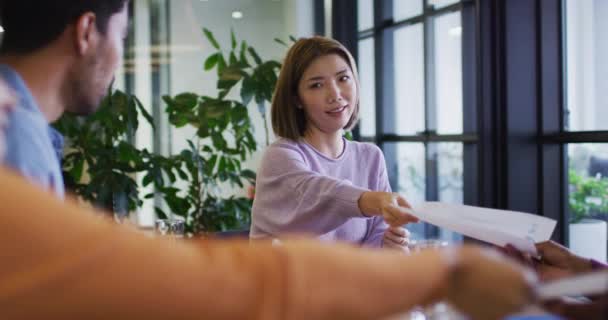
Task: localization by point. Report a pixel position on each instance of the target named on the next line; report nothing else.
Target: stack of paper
(499, 227)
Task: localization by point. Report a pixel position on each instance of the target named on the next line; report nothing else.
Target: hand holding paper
(499, 227)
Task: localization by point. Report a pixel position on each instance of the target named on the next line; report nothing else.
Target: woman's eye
(315, 85)
(344, 78)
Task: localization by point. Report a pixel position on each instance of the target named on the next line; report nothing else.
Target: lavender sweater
(300, 190)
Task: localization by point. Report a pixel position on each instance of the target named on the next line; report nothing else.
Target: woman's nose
(333, 93)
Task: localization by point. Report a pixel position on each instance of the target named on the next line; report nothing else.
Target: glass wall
(416, 114)
(586, 110)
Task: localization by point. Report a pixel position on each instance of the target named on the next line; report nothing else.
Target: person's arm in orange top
(58, 261)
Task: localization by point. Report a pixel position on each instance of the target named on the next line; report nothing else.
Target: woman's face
(328, 94)
(7, 102)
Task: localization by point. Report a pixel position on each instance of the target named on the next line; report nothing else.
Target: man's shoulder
(27, 127)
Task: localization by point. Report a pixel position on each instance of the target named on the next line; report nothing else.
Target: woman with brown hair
(312, 180)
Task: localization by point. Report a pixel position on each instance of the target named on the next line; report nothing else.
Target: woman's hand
(396, 238)
(391, 206)
(486, 285)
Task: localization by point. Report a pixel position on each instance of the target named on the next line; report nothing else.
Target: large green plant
(588, 196)
(223, 139)
(100, 162)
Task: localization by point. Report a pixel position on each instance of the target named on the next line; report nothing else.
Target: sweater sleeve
(60, 261)
(290, 197)
(377, 226)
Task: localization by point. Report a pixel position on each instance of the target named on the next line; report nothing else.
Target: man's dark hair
(33, 24)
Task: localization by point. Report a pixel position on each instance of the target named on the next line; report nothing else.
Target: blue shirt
(33, 147)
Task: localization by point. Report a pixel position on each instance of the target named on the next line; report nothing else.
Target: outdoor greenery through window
(586, 109)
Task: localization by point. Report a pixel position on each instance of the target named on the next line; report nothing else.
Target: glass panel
(365, 14)
(405, 9)
(587, 49)
(406, 171)
(367, 75)
(450, 168)
(441, 3)
(588, 199)
(409, 81)
(448, 73)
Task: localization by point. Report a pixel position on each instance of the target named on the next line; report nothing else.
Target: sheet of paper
(499, 227)
(587, 284)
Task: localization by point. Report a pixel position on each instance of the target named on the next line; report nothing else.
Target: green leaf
(292, 38)
(211, 61)
(242, 54)
(233, 60)
(144, 112)
(233, 39)
(281, 42)
(211, 38)
(255, 55)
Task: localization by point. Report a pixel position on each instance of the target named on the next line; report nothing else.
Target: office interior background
(494, 103)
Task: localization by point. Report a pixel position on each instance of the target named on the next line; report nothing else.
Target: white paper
(588, 284)
(499, 227)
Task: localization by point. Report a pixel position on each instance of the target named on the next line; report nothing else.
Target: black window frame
(514, 91)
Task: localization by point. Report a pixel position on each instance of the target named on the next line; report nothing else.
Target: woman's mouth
(338, 110)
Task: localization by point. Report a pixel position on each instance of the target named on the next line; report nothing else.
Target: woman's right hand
(391, 206)
(485, 285)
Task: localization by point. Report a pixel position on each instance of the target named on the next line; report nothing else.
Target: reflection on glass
(588, 199)
(365, 14)
(409, 81)
(448, 73)
(411, 171)
(406, 171)
(441, 3)
(449, 159)
(450, 169)
(367, 75)
(406, 9)
(586, 52)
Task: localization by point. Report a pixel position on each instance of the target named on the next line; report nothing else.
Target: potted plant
(223, 140)
(100, 162)
(588, 203)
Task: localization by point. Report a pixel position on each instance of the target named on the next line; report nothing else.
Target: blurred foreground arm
(60, 262)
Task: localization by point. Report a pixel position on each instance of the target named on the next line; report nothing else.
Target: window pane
(409, 81)
(406, 171)
(448, 73)
(367, 75)
(405, 9)
(449, 158)
(588, 199)
(587, 49)
(450, 168)
(365, 14)
(441, 3)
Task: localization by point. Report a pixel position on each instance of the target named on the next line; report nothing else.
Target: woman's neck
(330, 145)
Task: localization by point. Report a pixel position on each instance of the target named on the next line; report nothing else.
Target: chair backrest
(598, 165)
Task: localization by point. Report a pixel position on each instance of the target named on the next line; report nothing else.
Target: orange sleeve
(59, 261)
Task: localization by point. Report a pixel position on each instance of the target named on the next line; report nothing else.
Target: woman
(312, 180)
